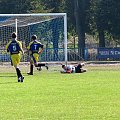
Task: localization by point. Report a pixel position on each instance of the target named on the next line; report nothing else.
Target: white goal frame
(45, 14)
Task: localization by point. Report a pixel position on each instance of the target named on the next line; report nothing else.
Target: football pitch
(50, 95)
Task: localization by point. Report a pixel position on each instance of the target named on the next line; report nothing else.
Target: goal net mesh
(49, 31)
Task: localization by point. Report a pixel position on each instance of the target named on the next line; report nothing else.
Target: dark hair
(63, 66)
(13, 35)
(34, 37)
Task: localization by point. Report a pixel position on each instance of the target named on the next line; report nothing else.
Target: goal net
(50, 28)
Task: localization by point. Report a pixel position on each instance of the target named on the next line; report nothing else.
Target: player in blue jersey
(15, 49)
(35, 48)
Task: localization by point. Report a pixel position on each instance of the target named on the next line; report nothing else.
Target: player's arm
(41, 49)
(20, 45)
(22, 51)
(67, 70)
(28, 48)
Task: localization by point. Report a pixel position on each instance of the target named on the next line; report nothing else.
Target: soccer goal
(50, 28)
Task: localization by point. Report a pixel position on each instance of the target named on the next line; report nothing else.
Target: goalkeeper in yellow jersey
(15, 49)
(35, 48)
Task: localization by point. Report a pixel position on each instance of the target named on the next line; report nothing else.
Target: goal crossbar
(49, 15)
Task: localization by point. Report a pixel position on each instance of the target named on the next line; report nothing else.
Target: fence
(91, 54)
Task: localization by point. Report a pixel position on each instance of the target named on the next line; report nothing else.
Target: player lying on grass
(73, 69)
(35, 48)
(15, 49)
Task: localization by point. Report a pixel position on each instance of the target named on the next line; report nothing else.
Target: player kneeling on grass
(35, 48)
(15, 49)
(73, 69)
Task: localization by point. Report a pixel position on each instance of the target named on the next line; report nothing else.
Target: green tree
(54, 6)
(80, 25)
(38, 7)
(105, 18)
(113, 17)
(97, 21)
(15, 6)
(80, 11)
(76, 13)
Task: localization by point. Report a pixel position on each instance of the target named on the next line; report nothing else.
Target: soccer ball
(39, 69)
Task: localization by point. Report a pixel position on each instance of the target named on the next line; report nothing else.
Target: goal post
(50, 28)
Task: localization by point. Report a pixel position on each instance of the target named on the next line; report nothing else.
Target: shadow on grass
(8, 76)
(8, 83)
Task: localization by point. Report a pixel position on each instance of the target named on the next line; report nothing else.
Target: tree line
(99, 18)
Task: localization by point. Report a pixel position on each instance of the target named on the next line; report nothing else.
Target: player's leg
(78, 68)
(39, 68)
(39, 65)
(42, 64)
(21, 77)
(16, 60)
(32, 61)
(31, 68)
(83, 70)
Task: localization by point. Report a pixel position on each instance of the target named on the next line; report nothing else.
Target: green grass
(49, 95)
